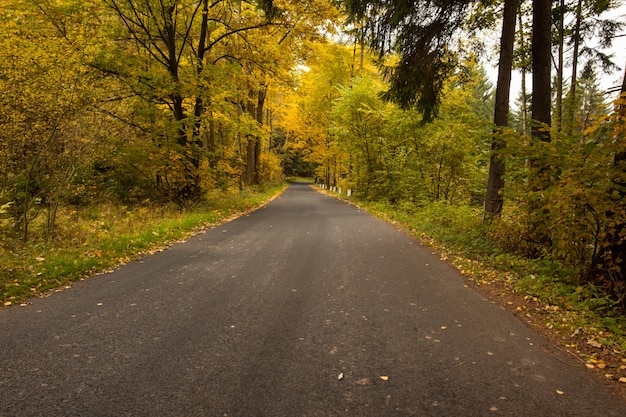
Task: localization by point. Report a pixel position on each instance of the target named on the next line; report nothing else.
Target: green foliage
(580, 211)
(392, 155)
(420, 33)
(580, 112)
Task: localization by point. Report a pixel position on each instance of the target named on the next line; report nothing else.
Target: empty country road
(306, 307)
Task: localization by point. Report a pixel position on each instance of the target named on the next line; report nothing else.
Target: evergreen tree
(420, 32)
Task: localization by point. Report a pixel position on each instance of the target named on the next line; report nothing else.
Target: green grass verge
(96, 239)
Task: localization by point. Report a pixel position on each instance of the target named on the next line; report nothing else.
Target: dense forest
(151, 103)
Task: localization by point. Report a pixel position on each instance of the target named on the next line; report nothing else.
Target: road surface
(307, 307)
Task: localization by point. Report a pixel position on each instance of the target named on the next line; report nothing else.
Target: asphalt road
(307, 307)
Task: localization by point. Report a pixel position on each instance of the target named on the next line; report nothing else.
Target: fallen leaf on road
(444, 327)
(590, 365)
(559, 392)
(384, 377)
(622, 379)
(340, 376)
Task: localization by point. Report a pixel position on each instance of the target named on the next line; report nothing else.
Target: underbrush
(96, 238)
(581, 317)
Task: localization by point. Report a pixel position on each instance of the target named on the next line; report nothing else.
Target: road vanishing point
(306, 307)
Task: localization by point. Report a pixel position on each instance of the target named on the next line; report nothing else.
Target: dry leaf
(559, 392)
(594, 343)
(340, 376)
(590, 365)
(622, 379)
(384, 377)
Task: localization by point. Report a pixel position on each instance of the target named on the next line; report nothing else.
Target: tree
(590, 101)
(541, 65)
(588, 25)
(522, 62)
(495, 184)
(305, 112)
(421, 33)
(393, 156)
(559, 18)
(45, 113)
(172, 45)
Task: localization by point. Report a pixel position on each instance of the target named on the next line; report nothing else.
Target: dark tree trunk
(541, 48)
(558, 105)
(524, 96)
(251, 177)
(495, 185)
(571, 96)
(260, 110)
(253, 150)
(540, 124)
(199, 105)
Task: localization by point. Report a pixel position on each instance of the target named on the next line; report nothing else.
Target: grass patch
(580, 318)
(95, 239)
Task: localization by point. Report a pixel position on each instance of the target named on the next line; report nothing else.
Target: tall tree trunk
(254, 145)
(541, 47)
(258, 146)
(251, 177)
(524, 97)
(571, 96)
(199, 105)
(540, 125)
(495, 185)
(558, 105)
